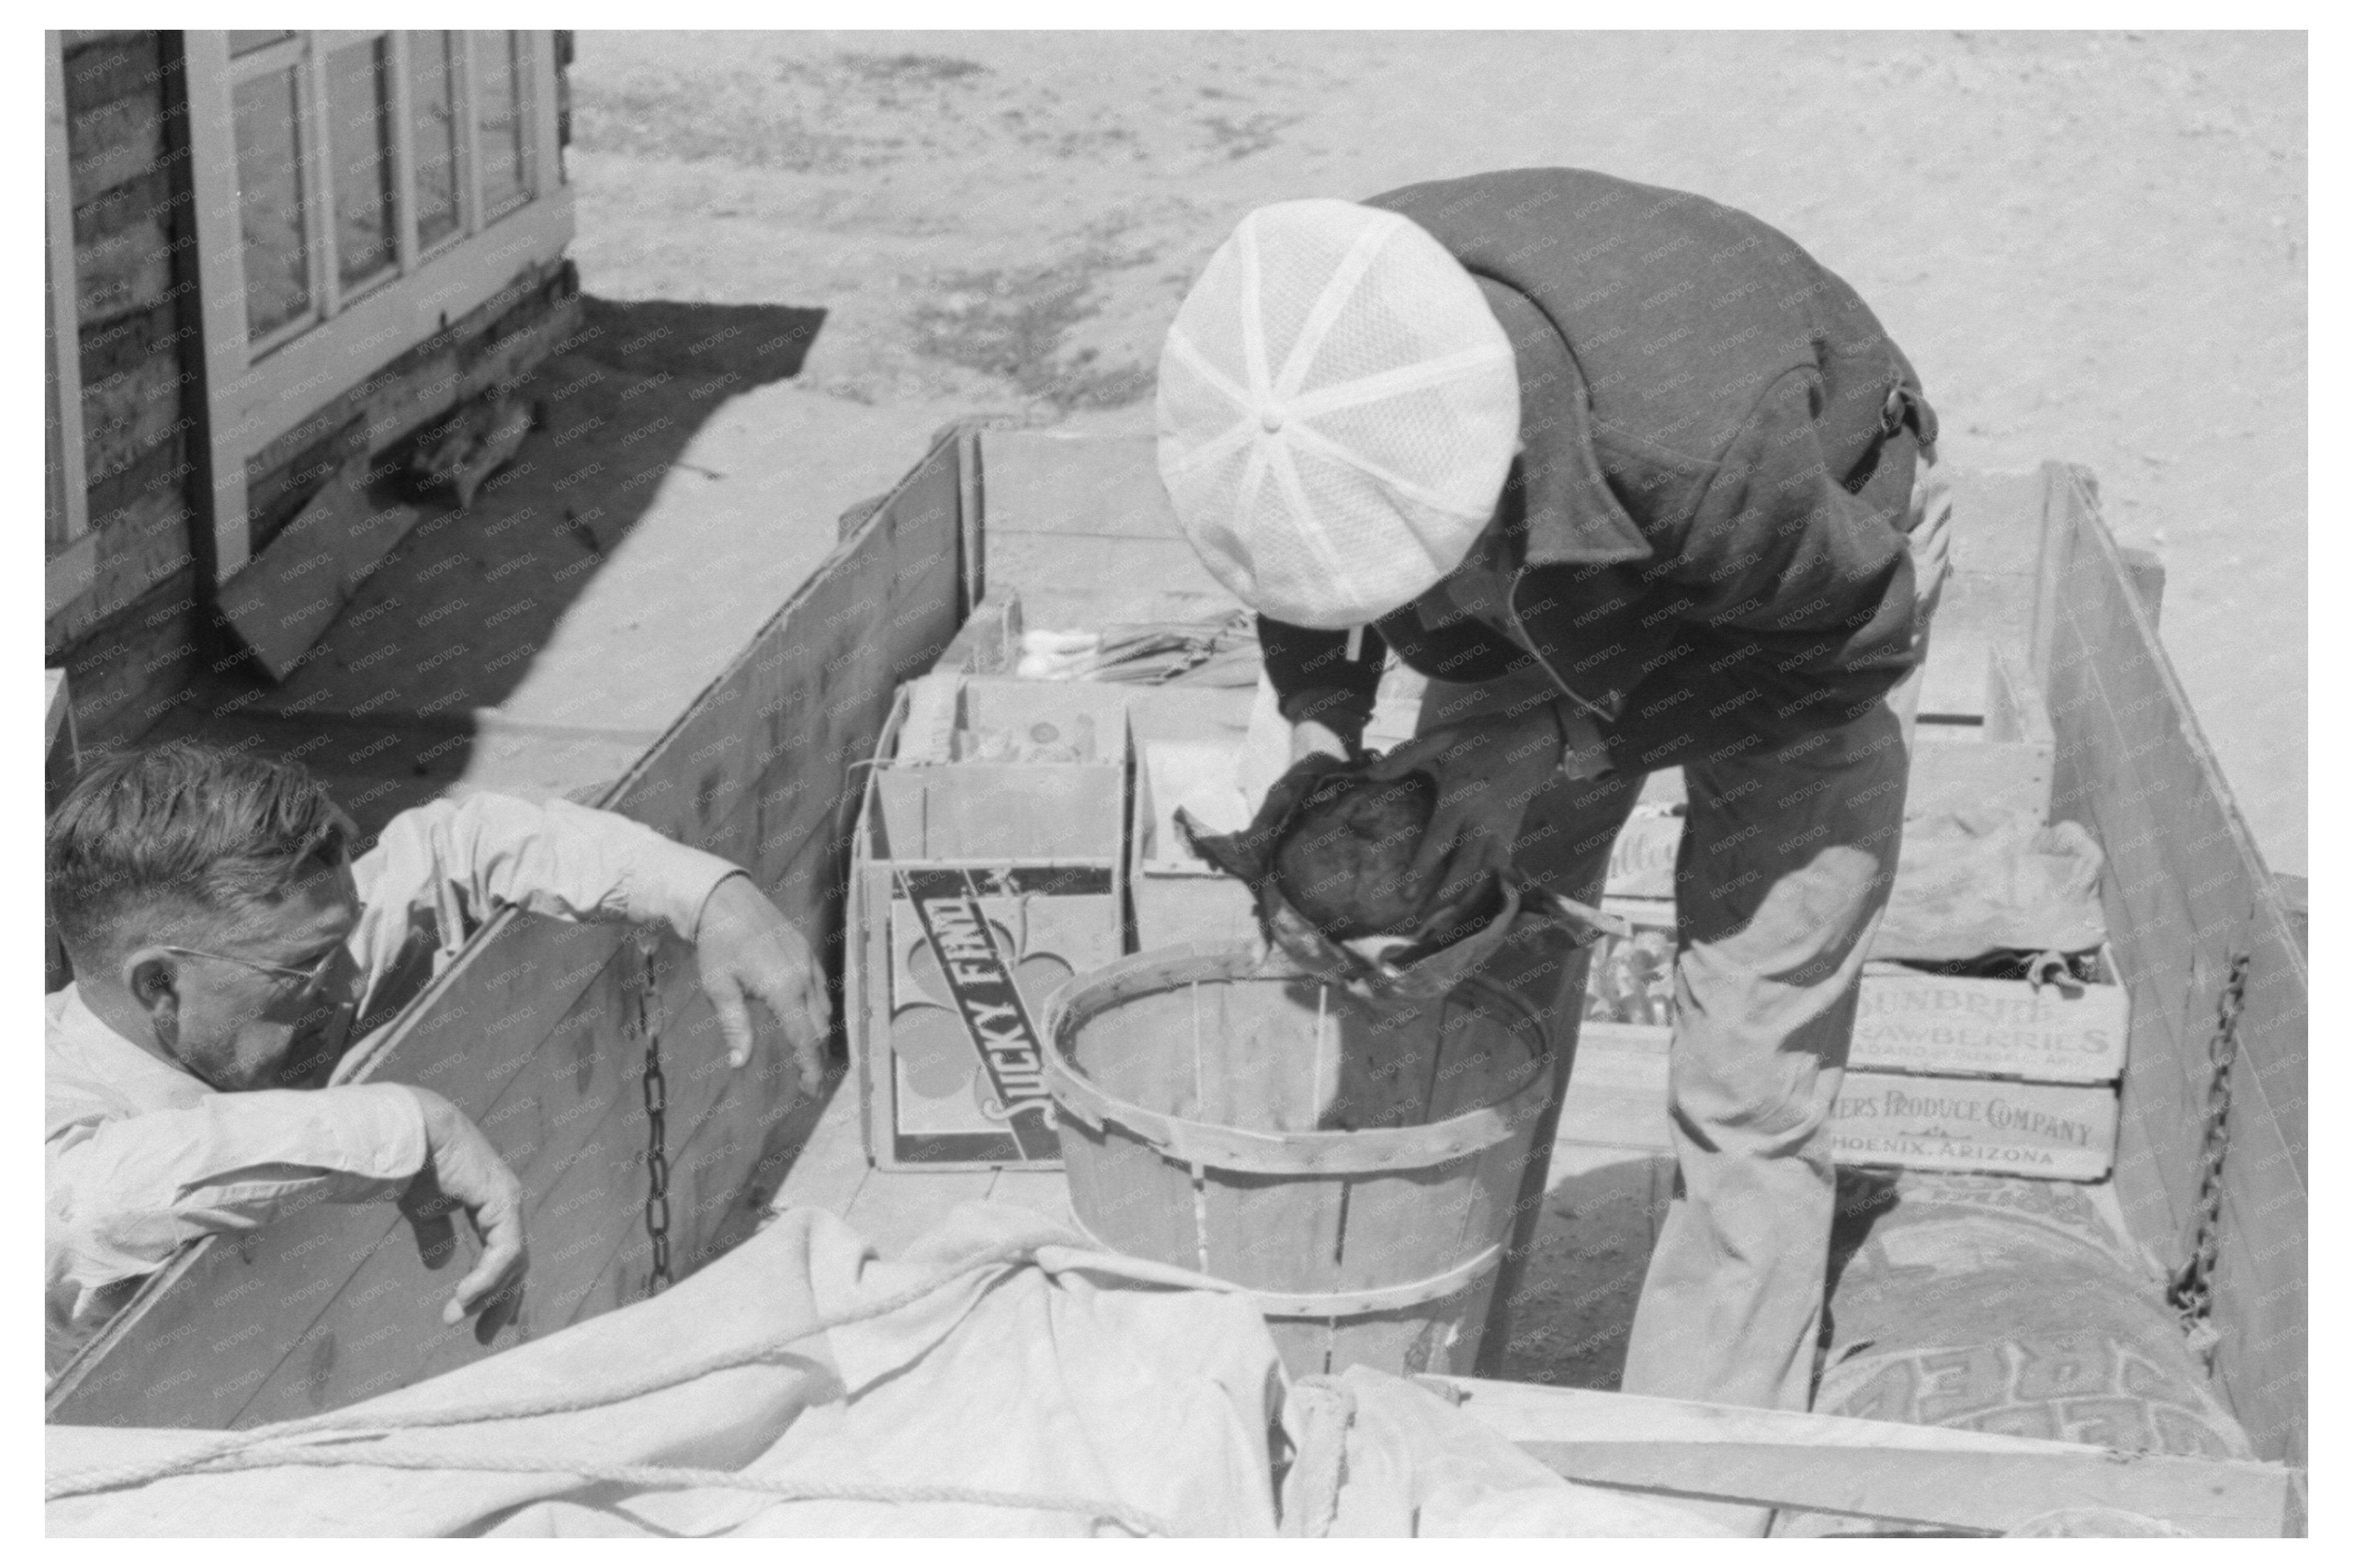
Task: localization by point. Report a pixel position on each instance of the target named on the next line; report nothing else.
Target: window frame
(71, 551)
(259, 388)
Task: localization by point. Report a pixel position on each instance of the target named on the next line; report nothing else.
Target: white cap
(1337, 409)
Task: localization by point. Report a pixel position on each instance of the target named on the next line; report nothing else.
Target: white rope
(343, 1424)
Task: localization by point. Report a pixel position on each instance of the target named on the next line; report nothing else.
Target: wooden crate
(1179, 896)
(1909, 1020)
(976, 888)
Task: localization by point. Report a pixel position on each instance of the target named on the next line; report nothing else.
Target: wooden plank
(1953, 680)
(971, 536)
(1043, 1193)
(896, 1208)
(1977, 775)
(2015, 710)
(2178, 896)
(1944, 1476)
(1129, 1198)
(1086, 531)
(1042, 482)
(1989, 607)
(2273, 1040)
(990, 640)
(787, 720)
(1411, 1224)
(1274, 1232)
(1073, 582)
(1442, 1336)
(470, 1032)
(2258, 1286)
(832, 1165)
(1984, 1493)
(2260, 1295)
(866, 963)
(715, 1204)
(2055, 547)
(132, 550)
(286, 596)
(577, 1069)
(573, 1125)
(1618, 1088)
(2149, 926)
(1170, 911)
(129, 414)
(61, 320)
(2129, 742)
(1997, 523)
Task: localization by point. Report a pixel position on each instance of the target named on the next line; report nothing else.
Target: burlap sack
(1444, 945)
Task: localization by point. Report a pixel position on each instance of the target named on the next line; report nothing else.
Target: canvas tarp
(1000, 1378)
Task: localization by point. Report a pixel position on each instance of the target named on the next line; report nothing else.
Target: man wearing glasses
(226, 951)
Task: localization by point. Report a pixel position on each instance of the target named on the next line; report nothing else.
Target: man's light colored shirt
(142, 1157)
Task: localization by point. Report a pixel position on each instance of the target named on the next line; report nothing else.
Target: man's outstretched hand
(745, 949)
(462, 1171)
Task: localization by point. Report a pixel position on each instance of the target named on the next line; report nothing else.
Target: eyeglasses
(311, 978)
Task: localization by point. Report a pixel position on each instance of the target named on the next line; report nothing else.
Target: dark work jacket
(1700, 537)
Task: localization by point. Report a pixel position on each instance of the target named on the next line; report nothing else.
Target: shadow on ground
(1576, 1302)
(384, 708)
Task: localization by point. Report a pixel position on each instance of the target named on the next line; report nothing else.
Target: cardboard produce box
(988, 866)
(1945, 1074)
(1913, 1020)
(1923, 1121)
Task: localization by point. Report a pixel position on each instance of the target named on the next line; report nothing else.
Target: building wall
(134, 628)
(131, 642)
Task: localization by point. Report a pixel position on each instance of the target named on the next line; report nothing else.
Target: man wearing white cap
(1632, 479)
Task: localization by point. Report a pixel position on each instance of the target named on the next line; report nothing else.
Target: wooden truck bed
(534, 1029)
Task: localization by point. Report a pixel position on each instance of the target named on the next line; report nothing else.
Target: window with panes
(361, 155)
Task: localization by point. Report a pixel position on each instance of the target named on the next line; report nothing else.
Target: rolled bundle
(2003, 1305)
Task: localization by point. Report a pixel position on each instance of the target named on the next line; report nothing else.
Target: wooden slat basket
(1354, 1166)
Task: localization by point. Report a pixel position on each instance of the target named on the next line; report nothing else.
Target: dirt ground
(2093, 245)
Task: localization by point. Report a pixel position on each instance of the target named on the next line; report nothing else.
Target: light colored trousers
(1782, 875)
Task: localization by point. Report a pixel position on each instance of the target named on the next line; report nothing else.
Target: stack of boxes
(1017, 832)
(988, 868)
(1945, 1073)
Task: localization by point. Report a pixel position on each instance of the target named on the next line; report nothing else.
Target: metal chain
(657, 1093)
(2192, 1290)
